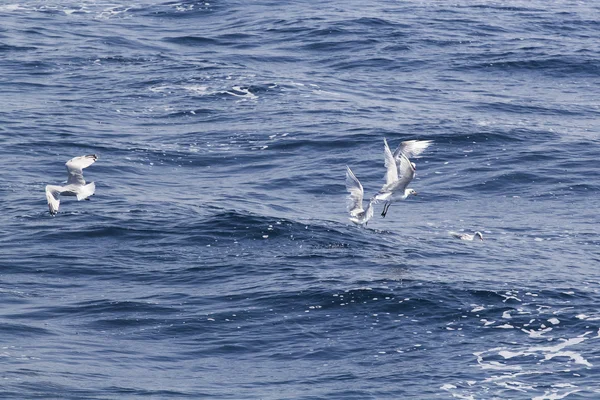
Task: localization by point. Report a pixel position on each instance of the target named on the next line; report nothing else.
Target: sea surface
(216, 259)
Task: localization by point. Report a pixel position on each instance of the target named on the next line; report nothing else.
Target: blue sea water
(216, 259)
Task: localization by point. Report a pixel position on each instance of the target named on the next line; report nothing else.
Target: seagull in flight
(75, 186)
(358, 215)
(399, 174)
(466, 236)
(397, 182)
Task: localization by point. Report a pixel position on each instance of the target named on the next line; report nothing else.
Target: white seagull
(399, 174)
(75, 183)
(466, 236)
(358, 215)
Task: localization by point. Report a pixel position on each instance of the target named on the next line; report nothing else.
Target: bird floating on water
(75, 186)
(467, 236)
(358, 215)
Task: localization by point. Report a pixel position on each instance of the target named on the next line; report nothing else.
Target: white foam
(536, 334)
(549, 352)
(242, 92)
(73, 11)
(559, 346)
(588, 317)
(196, 89)
(563, 385)
(553, 395)
(509, 296)
(158, 89)
(112, 11)
(509, 354)
(496, 365)
(12, 7)
(576, 357)
(515, 385)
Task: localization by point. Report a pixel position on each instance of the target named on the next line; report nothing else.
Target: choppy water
(216, 259)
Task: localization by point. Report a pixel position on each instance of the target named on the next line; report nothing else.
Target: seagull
(466, 236)
(355, 200)
(75, 183)
(399, 174)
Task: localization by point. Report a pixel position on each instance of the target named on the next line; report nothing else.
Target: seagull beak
(415, 193)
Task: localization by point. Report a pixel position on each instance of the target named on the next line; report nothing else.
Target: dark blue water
(216, 259)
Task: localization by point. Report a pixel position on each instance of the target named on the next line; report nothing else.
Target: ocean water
(216, 259)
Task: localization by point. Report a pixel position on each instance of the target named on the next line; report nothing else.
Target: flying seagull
(399, 174)
(358, 215)
(75, 186)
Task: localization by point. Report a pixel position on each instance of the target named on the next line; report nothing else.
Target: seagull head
(479, 235)
(408, 192)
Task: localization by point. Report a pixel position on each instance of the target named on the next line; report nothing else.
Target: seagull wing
(53, 198)
(391, 174)
(411, 148)
(406, 172)
(355, 198)
(76, 165)
(369, 209)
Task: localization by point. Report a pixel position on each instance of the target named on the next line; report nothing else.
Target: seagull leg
(385, 209)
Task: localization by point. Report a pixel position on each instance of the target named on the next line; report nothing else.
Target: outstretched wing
(53, 198)
(76, 165)
(355, 198)
(411, 148)
(391, 174)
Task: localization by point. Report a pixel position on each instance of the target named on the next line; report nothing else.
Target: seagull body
(399, 174)
(358, 215)
(75, 186)
(466, 236)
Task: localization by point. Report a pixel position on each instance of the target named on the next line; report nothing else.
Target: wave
(550, 65)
